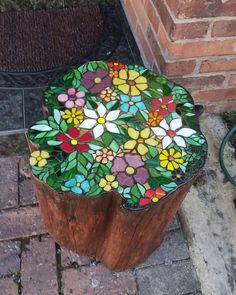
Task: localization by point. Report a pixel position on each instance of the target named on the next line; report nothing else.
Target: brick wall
(192, 42)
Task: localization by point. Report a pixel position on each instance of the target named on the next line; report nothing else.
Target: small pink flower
(72, 98)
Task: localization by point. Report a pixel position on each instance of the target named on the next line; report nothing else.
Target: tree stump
(112, 161)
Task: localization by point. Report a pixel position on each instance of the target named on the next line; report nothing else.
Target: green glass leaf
(107, 138)
(114, 146)
(71, 165)
(57, 116)
(89, 157)
(72, 156)
(41, 127)
(53, 142)
(95, 191)
(63, 126)
(169, 187)
(81, 169)
(82, 160)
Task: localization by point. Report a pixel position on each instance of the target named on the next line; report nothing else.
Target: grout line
(12, 132)
(59, 268)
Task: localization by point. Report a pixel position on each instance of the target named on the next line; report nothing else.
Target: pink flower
(72, 98)
(164, 105)
(130, 170)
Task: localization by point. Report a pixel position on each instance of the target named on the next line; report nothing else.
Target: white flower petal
(112, 115)
(164, 125)
(167, 140)
(112, 127)
(179, 141)
(185, 132)
(88, 123)
(98, 130)
(175, 124)
(90, 113)
(101, 110)
(159, 131)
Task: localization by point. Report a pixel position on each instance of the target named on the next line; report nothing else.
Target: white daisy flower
(100, 120)
(173, 132)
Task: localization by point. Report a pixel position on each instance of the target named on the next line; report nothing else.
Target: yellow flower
(108, 183)
(139, 139)
(74, 115)
(39, 158)
(108, 95)
(130, 82)
(170, 159)
(154, 118)
(104, 155)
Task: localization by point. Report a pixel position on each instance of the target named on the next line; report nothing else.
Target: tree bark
(102, 228)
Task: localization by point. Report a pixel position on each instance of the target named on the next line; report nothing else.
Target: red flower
(116, 66)
(152, 196)
(164, 105)
(74, 141)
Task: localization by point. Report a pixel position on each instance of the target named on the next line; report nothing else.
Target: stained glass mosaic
(117, 127)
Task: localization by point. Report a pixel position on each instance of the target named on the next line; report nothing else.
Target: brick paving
(32, 264)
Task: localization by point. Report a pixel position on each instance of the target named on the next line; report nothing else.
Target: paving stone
(9, 286)
(8, 195)
(11, 145)
(173, 279)
(9, 169)
(174, 224)
(9, 257)
(69, 258)
(27, 196)
(38, 268)
(97, 280)
(33, 105)
(22, 222)
(11, 109)
(173, 248)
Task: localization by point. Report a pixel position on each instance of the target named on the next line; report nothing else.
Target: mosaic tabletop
(116, 127)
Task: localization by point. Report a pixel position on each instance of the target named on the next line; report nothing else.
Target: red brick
(220, 65)
(224, 28)
(98, 280)
(18, 223)
(169, 69)
(140, 12)
(177, 30)
(9, 286)
(69, 258)
(131, 16)
(202, 8)
(189, 30)
(9, 257)
(195, 48)
(152, 15)
(38, 268)
(9, 195)
(220, 107)
(144, 46)
(200, 83)
(232, 80)
(215, 95)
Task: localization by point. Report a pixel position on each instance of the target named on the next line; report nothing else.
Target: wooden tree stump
(113, 159)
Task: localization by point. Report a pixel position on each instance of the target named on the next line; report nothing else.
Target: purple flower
(96, 81)
(130, 170)
(72, 98)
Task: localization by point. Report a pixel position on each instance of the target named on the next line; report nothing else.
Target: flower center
(131, 103)
(178, 176)
(104, 155)
(101, 120)
(130, 170)
(97, 80)
(73, 115)
(163, 106)
(78, 184)
(140, 140)
(74, 142)
(155, 199)
(170, 158)
(39, 158)
(131, 82)
(171, 133)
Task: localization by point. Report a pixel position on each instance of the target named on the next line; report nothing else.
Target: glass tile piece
(117, 127)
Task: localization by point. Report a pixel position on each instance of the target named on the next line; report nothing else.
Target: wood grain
(102, 228)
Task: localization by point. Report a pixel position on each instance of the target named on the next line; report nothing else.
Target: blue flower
(78, 184)
(131, 104)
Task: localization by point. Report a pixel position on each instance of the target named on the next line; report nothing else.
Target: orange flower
(108, 95)
(154, 118)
